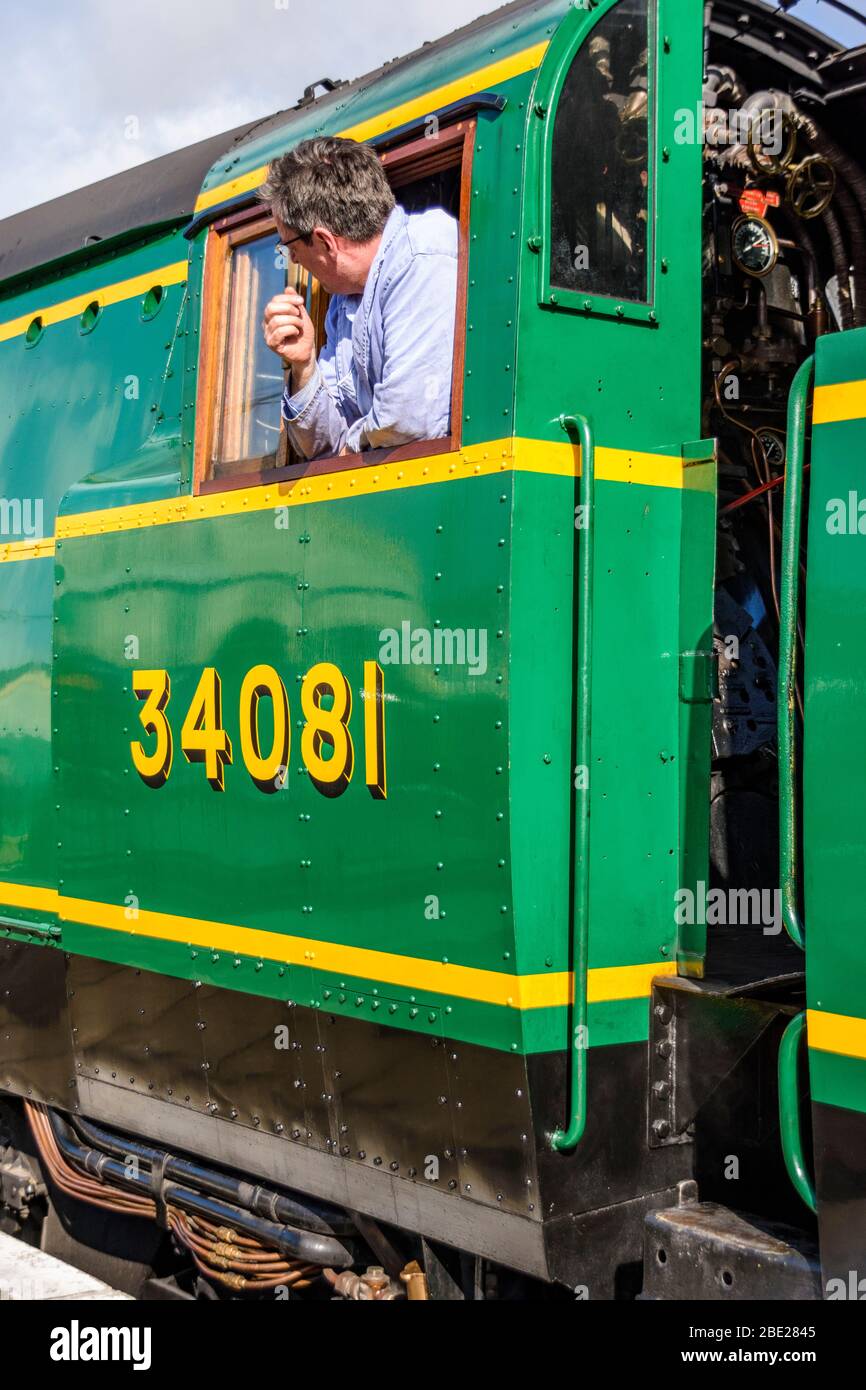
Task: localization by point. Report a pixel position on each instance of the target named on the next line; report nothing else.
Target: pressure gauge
(773, 445)
(755, 246)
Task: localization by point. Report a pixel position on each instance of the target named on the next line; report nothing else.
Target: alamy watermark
(846, 516)
(21, 518)
(729, 907)
(83, 1343)
(853, 1289)
(438, 646)
(716, 126)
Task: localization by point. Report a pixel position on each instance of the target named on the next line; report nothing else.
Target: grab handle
(798, 405)
(564, 1140)
(789, 1110)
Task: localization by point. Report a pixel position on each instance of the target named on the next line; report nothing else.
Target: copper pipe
(243, 1263)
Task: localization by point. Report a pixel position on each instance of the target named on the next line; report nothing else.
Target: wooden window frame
(451, 147)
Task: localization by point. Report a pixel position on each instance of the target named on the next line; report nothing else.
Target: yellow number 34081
(326, 743)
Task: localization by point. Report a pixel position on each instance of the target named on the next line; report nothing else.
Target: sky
(97, 86)
(824, 17)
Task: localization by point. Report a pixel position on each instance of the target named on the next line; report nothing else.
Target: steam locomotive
(336, 962)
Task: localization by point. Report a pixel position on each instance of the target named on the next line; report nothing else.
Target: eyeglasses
(282, 246)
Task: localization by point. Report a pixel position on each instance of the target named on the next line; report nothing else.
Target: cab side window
(601, 160)
(239, 433)
(239, 429)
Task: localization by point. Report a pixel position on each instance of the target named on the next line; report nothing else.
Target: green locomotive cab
(432, 858)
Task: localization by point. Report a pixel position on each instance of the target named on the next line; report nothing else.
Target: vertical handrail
(789, 600)
(564, 1140)
(789, 1110)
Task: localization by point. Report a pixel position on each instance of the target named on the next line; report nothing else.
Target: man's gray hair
(329, 182)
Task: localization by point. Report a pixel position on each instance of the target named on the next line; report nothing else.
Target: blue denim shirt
(384, 375)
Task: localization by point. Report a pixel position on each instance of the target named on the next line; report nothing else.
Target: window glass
(601, 161)
(252, 376)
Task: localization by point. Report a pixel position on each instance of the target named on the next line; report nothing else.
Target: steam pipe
(296, 1244)
(840, 263)
(270, 1205)
(855, 216)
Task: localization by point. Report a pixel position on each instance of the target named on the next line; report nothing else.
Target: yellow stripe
(624, 981)
(406, 972)
(497, 456)
(834, 404)
(418, 107)
(26, 550)
(611, 465)
(475, 460)
(24, 895)
(109, 294)
(324, 487)
(836, 1033)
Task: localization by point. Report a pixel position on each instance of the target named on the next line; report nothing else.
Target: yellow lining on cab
(108, 294)
(27, 550)
(419, 107)
(479, 460)
(474, 460)
(550, 990)
(838, 1033)
(844, 401)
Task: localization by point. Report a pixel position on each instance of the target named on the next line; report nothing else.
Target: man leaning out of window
(383, 376)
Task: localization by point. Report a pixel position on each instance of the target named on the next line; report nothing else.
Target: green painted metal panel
(837, 1079)
(241, 591)
(639, 384)
(72, 405)
(834, 755)
(490, 753)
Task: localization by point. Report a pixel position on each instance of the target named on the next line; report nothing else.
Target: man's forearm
(314, 420)
(302, 372)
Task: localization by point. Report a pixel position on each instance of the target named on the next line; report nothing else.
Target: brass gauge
(773, 445)
(754, 246)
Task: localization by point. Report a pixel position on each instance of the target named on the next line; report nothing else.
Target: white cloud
(184, 69)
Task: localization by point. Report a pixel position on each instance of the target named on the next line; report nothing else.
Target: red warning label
(754, 202)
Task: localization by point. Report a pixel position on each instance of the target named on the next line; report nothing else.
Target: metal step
(707, 1252)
